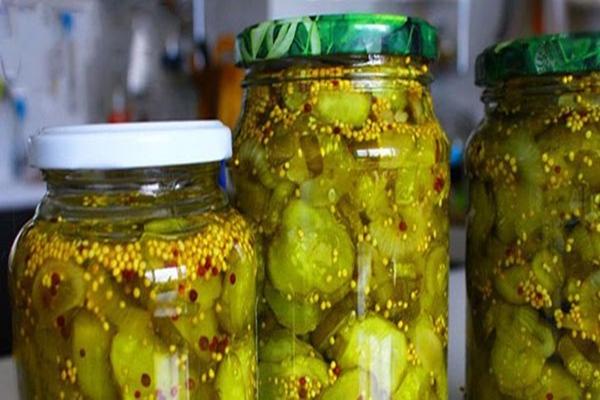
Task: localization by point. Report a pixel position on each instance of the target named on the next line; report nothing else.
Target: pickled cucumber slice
(434, 297)
(283, 344)
(587, 162)
(302, 262)
(371, 194)
(416, 385)
(112, 305)
(252, 159)
(522, 344)
(140, 363)
(577, 363)
(91, 347)
(236, 375)
(431, 353)
(376, 345)
(481, 213)
(348, 108)
(534, 333)
(557, 383)
(297, 315)
(521, 147)
(277, 203)
(58, 287)
(353, 384)
(294, 377)
(401, 236)
(252, 199)
(586, 244)
(198, 331)
(397, 151)
(333, 321)
(519, 212)
(167, 226)
(510, 282)
(311, 151)
(514, 367)
(238, 299)
(322, 191)
(583, 315)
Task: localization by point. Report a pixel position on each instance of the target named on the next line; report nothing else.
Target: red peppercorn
(128, 274)
(146, 380)
(402, 226)
(55, 278)
(193, 295)
(337, 370)
(302, 381)
(232, 279)
(214, 271)
(203, 343)
(438, 184)
(307, 107)
(137, 394)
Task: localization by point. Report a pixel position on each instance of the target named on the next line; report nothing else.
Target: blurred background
(86, 61)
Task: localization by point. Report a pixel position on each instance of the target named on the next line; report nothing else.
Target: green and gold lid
(543, 55)
(340, 34)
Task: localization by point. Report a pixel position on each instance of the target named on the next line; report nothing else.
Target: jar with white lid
(133, 279)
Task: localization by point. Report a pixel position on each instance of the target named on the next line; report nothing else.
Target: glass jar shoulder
(170, 289)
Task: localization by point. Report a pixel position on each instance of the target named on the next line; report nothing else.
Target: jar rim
(337, 34)
(574, 53)
(129, 145)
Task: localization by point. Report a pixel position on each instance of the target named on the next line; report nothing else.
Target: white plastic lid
(130, 145)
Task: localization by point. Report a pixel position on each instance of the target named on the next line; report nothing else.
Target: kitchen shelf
(20, 195)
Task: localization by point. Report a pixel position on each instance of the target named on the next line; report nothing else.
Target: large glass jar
(533, 257)
(342, 165)
(135, 278)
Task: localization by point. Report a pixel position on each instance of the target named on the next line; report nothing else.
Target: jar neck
(544, 94)
(367, 67)
(125, 195)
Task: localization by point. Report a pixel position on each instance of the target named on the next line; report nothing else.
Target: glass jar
(133, 279)
(533, 251)
(342, 166)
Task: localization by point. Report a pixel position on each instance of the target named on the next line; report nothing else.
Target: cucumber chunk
(312, 253)
(58, 288)
(348, 108)
(297, 315)
(238, 298)
(236, 376)
(91, 347)
(281, 345)
(377, 346)
(294, 377)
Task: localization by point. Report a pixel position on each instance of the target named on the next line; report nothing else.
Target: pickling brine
(134, 283)
(342, 167)
(533, 259)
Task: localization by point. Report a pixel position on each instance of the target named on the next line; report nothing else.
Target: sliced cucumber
(297, 315)
(91, 348)
(348, 108)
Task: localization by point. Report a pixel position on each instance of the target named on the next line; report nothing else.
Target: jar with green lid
(342, 166)
(533, 247)
(132, 281)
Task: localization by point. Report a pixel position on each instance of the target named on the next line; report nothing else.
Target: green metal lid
(343, 34)
(542, 55)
